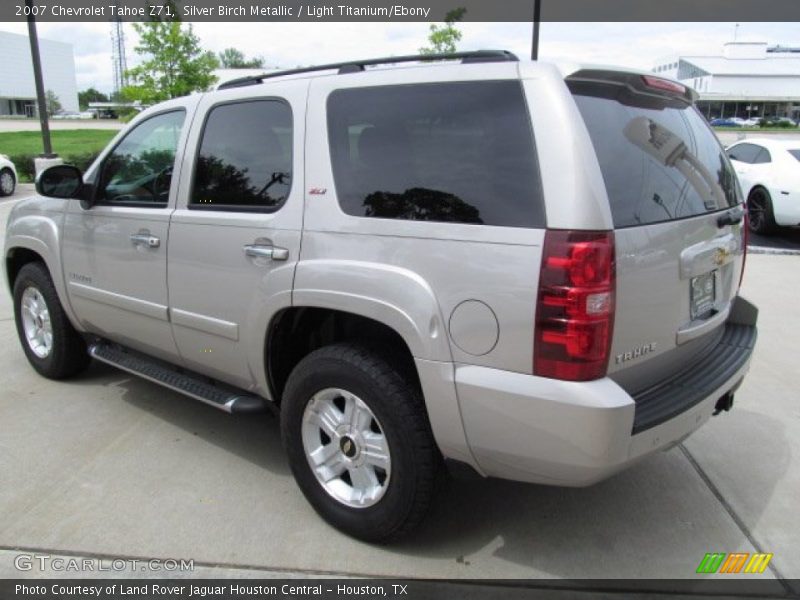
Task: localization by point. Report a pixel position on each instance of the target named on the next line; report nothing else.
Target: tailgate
(677, 218)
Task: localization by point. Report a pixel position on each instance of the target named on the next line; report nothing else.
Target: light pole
(537, 7)
(37, 76)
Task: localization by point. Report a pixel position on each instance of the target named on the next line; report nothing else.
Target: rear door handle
(262, 251)
(145, 239)
(732, 217)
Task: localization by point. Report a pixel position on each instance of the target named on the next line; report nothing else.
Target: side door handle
(143, 238)
(263, 251)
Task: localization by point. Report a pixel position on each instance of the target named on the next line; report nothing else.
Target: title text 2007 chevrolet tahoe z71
(526, 270)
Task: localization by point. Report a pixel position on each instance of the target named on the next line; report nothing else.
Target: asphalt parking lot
(108, 465)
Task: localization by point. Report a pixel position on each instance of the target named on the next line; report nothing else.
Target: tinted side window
(746, 153)
(763, 157)
(139, 170)
(245, 157)
(451, 152)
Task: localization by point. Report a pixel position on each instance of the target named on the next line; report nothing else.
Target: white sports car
(769, 173)
(8, 176)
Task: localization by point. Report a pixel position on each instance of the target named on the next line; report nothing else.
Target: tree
(90, 95)
(52, 102)
(443, 38)
(231, 58)
(174, 64)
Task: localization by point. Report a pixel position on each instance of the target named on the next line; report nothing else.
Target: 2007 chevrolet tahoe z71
(523, 270)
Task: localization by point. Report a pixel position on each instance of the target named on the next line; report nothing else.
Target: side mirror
(60, 181)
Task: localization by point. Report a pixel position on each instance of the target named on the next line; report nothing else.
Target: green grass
(65, 142)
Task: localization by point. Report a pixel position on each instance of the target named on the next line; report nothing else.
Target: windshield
(659, 159)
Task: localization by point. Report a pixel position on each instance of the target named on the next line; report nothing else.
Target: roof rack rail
(355, 66)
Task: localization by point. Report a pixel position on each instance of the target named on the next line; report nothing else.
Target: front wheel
(359, 442)
(759, 212)
(51, 344)
(7, 182)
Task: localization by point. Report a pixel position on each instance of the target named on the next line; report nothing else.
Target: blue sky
(291, 44)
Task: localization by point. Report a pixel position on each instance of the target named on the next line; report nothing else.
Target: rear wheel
(359, 442)
(51, 344)
(759, 209)
(7, 182)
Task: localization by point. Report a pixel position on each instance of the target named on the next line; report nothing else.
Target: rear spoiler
(636, 83)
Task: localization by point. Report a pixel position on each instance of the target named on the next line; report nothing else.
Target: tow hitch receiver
(724, 403)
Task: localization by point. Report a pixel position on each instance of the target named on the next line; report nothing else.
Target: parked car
(514, 270)
(8, 176)
(745, 122)
(73, 115)
(770, 178)
(725, 123)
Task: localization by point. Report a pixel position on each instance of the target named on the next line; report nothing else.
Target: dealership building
(17, 87)
(749, 79)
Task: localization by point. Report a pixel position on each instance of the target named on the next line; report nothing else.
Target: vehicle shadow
(785, 238)
(660, 507)
(254, 438)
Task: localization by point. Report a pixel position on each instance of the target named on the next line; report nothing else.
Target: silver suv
(516, 270)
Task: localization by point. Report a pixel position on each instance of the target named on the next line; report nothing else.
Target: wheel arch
(24, 249)
(16, 258)
(756, 186)
(296, 331)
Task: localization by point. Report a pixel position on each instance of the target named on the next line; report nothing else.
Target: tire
(66, 352)
(8, 182)
(339, 377)
(761, 217)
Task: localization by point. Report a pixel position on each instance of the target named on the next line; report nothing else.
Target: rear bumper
(543, 430)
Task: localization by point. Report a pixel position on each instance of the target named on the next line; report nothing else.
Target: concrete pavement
(109, 465)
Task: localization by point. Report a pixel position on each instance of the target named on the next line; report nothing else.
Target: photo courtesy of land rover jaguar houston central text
(459, 262)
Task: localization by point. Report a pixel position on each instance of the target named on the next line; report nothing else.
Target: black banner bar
(401, 10)
(374, 589)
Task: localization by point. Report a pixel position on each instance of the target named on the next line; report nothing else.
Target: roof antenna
(735, 32)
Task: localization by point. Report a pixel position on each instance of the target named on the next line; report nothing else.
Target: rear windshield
(448, 152)
(795, 153)
(660, 160)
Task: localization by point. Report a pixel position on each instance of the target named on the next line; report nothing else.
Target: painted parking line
(768, 250)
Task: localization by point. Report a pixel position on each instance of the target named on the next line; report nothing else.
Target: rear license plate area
(703, 294)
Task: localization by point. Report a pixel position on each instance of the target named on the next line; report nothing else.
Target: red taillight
(575, 310)
(665, 85)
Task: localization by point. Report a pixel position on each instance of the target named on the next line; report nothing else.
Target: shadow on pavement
(785, 238)
(605, 529)
(255, 438)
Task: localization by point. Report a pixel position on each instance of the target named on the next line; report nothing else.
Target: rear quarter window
(446, 152)
(746, 153)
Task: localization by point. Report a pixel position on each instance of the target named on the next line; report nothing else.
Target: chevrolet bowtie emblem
(721, 256)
